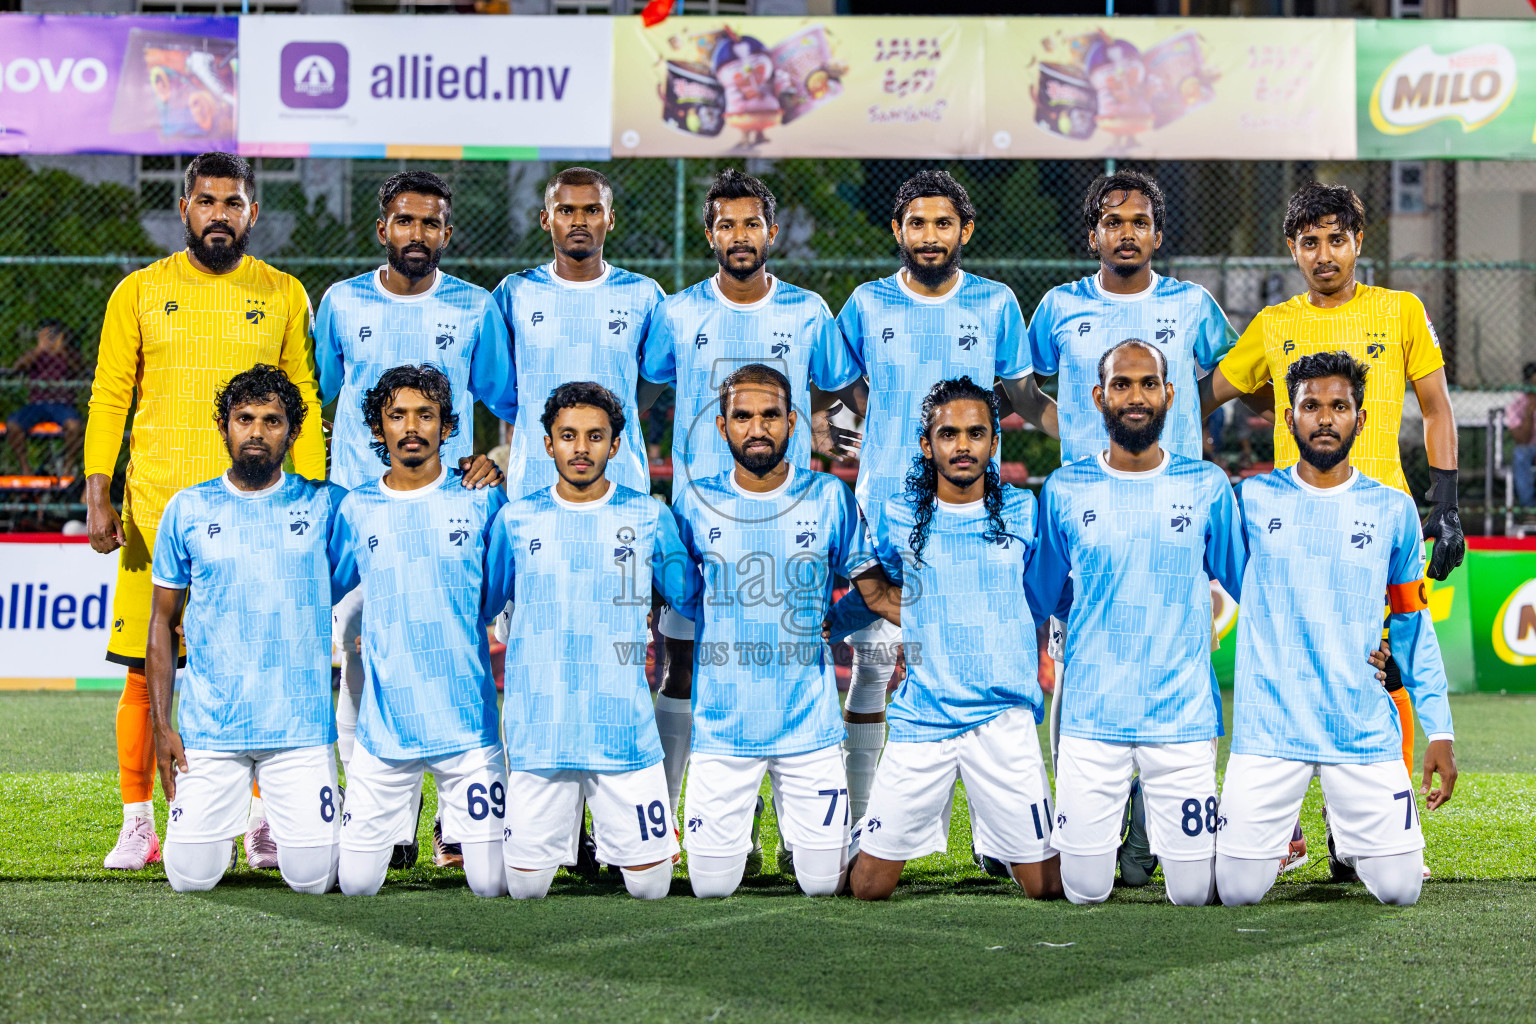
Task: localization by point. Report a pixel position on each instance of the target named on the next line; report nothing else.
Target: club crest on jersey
(536, 319)
(373, 542)
(714, 533)
(807, 535)
(1274, 524)
(887, 334)
(1362, 536)
(700, 340)
(458, 532)
(626, 549)
(619, 322)
(445, 336)
(534, 545)
(256, 311)
(299, 523)
(117, 625)
(171, 307)
(781, 340)
(364, 333)
(1375, 350)
(967, 339)
(214, 529)
(1180, 519)
(1165, 330)
(1089, 516)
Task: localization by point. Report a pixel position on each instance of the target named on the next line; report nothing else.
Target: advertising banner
(1167, 88)
(774, 87)
(116, 85)
(1458, 89)
(437, 88)
(55, 612)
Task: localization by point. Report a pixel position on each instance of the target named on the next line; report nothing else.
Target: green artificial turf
(79, 943)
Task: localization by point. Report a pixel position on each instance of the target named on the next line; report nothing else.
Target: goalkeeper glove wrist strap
(1443, 490)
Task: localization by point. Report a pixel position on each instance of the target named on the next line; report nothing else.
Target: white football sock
(1087, 878)
(1396, 880)
(144, 809)
(715, 877)
(674, 723)
(1242, 881)
(1190, 883)
(361, 872)
(861, 755)
(650, 883)
(820, 872)
(310, 870)
(529, 885)
(483, 868)
(196, 867)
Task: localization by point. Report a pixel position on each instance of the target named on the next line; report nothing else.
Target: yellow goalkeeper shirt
(176, 335)
(1387, 330)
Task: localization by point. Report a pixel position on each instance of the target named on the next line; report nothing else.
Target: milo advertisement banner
(1167, 88)
(770, 87)
(1456, 89)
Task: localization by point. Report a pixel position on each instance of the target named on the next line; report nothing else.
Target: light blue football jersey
(905, 343)
(580, 576)
(698, 338)
(1141, 550)
(763, 679)
(258, 618)
(1075, 324)
(967, 630)
(420, 558)
(1320, 563)
(361, 330)
(566, 331)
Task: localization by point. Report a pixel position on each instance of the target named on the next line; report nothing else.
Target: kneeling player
(769, 536)
(1141, 531)
(1325, 542)
(959, 543)
(256, 694)
(416, 541)
(580, 559)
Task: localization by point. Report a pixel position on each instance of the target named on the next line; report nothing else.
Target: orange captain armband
(1403, 598)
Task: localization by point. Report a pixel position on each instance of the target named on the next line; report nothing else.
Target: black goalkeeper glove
(1443, 525)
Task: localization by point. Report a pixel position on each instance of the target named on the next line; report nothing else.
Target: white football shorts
(1005, 786)
(1178, 782)
(298, 791)
(381, 798)
(810, 796)
(1372, 808)
(632, 823)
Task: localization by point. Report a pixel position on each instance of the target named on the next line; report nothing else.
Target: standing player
(250, 545)
(1130, 540)
(580, 559)
(415, 540)
(1325, 542)
(577, 318)
(769, 535)
(407, 311)
(929, 321)
(701, 335)
(959, 543)
(174, 332)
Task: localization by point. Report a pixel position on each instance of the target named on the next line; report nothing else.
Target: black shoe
(1338, 871)
(405, 855)
(991, 865)
(755, 855)
(586, 866)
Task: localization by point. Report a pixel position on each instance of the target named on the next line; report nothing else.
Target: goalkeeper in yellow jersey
(1390, 333)
(175, 332)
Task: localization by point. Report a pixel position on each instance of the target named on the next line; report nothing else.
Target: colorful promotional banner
(830, 87)
(55, 612)
(1165, 88)
(1456, 89)
(116, 85)
(443, 88)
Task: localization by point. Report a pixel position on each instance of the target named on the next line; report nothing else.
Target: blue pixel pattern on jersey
(1075, 324)
(967, 630)
(258, 618)
(361, 330)
(565, 331)
(905, 344)
(697, 339)
(1319, 564)
(420, 558)
(580, 575)
(1140, 550)
(763, 679)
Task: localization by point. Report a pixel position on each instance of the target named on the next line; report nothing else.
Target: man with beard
(698, 337)
(577, 318)
(173, 333)
(406, 311)
(242, 566)
(769, 536)
(415, 541)
(959, 543)
(1325, 542)
(929, 321)
(1129, 542)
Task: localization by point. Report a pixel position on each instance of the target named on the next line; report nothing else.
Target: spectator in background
(1519, 421)
(50, 360)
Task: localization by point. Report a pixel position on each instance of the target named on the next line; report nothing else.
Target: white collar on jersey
(1105, 293)
(420, 492)
(745, 307)
(1127, 474)
(583, 506)
(378, 286)
(960, 508)
(789, 478)
(929, 300)
(264, 492)
(1354, 474)
(567, 283)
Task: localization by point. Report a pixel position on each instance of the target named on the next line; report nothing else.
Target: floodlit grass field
(79, 944)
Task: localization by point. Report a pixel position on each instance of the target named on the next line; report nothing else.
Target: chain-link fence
(65, 242)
